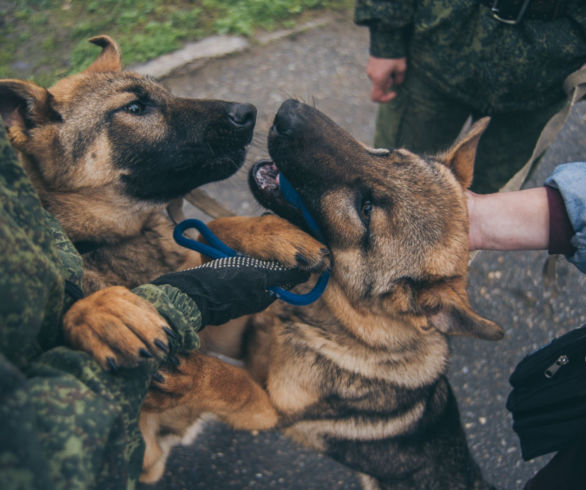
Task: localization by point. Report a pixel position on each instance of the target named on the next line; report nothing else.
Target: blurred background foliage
(43, 40)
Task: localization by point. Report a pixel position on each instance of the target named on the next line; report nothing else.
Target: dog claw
(170, 332)
(158, 377)
(301, 260)
(144, 353)
(161, 345)
(174, 360)
(112, 364)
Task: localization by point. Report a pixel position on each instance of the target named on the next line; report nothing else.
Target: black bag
(548, 401)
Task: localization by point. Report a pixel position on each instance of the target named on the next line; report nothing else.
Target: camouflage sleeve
(389, 22)
(576, 11)
(179, 310)
(64, 422)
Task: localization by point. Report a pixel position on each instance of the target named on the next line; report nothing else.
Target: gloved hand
(234, 286)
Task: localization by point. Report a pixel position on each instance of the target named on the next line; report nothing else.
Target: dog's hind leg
(201, 384)
(156, 452)
(206, 384)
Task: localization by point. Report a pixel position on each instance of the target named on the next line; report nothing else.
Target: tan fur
(70, 138)
(360, 374)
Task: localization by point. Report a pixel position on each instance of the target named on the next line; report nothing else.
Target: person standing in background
(434, 63)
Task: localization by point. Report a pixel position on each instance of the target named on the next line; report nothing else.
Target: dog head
(396, 222)
(104, 135)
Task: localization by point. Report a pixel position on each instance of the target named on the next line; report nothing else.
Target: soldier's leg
(420, 118)
(506, 145)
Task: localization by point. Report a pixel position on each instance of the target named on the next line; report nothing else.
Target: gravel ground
(326, 67)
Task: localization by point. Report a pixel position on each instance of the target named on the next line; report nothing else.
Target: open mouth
(265, 186)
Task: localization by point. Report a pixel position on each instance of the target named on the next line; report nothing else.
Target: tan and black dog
(107, 151)
(360, 374)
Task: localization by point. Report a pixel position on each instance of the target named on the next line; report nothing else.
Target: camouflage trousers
(425, 121)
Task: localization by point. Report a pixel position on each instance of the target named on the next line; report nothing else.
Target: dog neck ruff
(218, 249)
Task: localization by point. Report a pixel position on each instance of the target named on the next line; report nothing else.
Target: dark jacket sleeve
(570, 181)
(389, 22)
(64, 422)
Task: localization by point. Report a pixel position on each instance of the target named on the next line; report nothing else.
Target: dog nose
(286, 117)
(243, 116)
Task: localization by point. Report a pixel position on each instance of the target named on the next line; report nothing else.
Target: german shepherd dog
(360, 374)
(107, 151)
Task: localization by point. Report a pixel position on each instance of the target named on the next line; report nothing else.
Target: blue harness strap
(218, 249)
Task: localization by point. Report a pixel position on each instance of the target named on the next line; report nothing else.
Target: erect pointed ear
(461, 155)
(452, 314)
(23, 106)
(110, 59)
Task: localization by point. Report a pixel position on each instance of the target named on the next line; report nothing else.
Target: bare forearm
(509, 220)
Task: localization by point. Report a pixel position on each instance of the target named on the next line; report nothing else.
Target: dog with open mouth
(360, 374)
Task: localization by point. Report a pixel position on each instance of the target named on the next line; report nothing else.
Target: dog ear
(462, 320)
(461, 155)
(110, 59)
(23, 106)
(451, 313)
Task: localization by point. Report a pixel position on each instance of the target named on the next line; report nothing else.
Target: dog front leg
(270, 237)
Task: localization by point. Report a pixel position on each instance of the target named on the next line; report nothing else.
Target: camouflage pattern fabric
(427, 124)
(460, 49)
(64, 422)
(460, 62)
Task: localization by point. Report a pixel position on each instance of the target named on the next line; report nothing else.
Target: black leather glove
(229, 288)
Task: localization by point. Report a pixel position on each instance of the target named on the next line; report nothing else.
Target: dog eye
(135, 108)
(365, 211)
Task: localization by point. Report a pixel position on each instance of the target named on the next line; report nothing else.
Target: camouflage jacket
(460, 48)
(64, 422)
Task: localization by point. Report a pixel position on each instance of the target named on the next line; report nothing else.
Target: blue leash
(218, 249)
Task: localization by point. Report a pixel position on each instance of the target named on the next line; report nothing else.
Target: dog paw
(270, 237)
(173, 384)
(118, 328)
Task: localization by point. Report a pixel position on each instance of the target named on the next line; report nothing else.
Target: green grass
(44, 40)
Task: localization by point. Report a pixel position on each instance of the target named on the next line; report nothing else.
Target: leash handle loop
(216, 248)
(219, 250)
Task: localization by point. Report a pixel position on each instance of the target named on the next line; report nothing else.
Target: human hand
(385, 73)
(231, 287)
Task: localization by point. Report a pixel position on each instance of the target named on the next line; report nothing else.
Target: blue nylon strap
(294, 199)
(218, 250)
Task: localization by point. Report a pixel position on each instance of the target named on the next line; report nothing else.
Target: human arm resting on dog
(65, 421)
(552, 217)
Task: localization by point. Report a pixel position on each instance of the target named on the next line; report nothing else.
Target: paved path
(326, 66)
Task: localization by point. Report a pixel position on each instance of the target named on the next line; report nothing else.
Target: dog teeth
(267, 177)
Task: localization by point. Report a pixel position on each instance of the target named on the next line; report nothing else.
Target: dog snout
(287, 118)
(242, 116)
